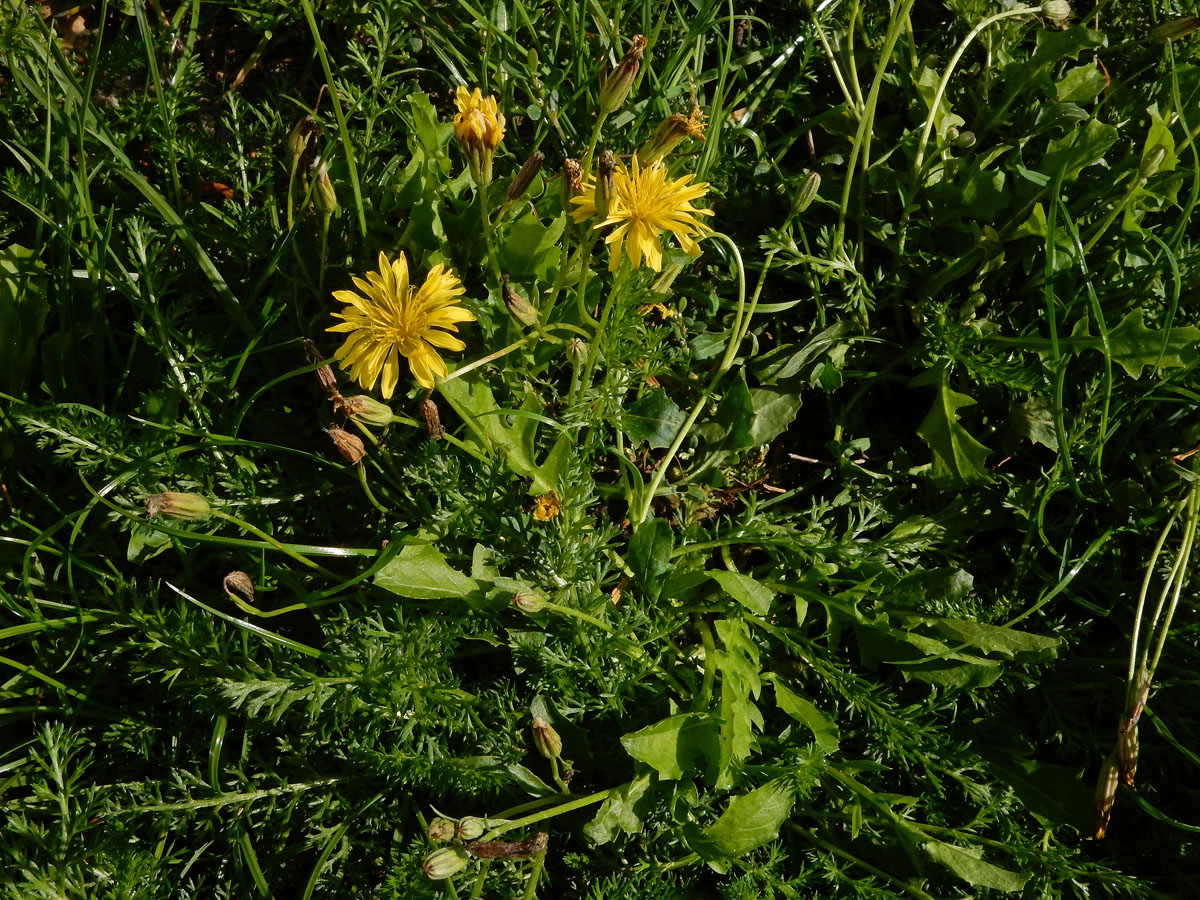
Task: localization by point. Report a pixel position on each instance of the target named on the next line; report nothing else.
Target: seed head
(433, 420)
(471, 828)
(349, 445)
(440, 829)
(444, 862)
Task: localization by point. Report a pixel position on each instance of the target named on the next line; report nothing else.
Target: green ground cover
(781, 489)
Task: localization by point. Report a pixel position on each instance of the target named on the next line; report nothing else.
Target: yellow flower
(548, 507)
(390, 319)
(643, 203)
(479, 128)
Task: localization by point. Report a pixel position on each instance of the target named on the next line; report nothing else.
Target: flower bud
(349, 445)
(479, 128)
(325, 374)
(433, 420)
(1106, 793)
(1152, 161)
(808, 192)
(529, 601)
(522, 310)
(444, 863)
(670, 132)
(1127, 752)
(326, 197)
(177, 505)
(520, 183)
(605, 186)
(1056, 10)
(965, 140)
(1178, 28)
(471, 828)
(617, 85)
(546, 739)
(367, 410)
(300, 140)
(577, 351)
(440, 829)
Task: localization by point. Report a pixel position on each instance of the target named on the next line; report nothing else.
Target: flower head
(479, 128)
(643, 203)
(390, 318)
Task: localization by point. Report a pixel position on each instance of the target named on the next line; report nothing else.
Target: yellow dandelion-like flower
(548, 507)
(389, 318)
(479, 128)
(643, 203)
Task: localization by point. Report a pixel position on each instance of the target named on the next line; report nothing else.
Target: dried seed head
(524, 177)
(325, 374)
(349, 445)
(440, 829)
(471, 828)
(509, 849)
(444, 862)
(1106, 793)
(620, 81)
(367, 410)
(178, 505)
(546, 739)
(433, 421)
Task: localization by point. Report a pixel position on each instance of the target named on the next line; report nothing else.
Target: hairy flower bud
(367, 410)
(444, 862)
(546, 739)
(471, 828)
(524, 177)
(620, 81)
(522, 310)
(965, 140)
(606, 169)
(1057, 10)
(178, 505)
(349, 445)
(440, 829)
(808, 191)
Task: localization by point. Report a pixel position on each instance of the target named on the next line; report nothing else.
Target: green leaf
(23, 311)
(973, 870)
(824, 731)
(672, 747)
(749, 821)
(618, 812)
(1054, 795)
(1007, 642)
(1081, 84)
(729, 428)
(745, 590)
(1052, 47)
(649, 556)
(958, 459)
(530, 250)
(774, 411)
(1078, 149)
(654, 419)
(1034, 419)
(741, 685)
(420, 572)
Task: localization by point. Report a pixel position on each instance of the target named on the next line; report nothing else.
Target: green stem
(282, 548)
(362, 477)
(1179, 572)
(534, 818)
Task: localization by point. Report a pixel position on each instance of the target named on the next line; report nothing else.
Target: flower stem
(282, 548)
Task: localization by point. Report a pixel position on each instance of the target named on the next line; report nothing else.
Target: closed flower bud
(1127, 751)
(577, 351)
(326, 197)
(479, 128)
(522, 310)
(440, 829)
(471, 828)
(349, 445)
(1152, 161)
(177, 505)
(546, 739)
(433, 420)
(325, 374)
(300, 139)
(529, 602)
(605, 186)
(617, 85)
(367, 410)
(444, 862)
(1057, 10)
(1106, 793)
(808, 191)
(520, 184)
(1172, 31)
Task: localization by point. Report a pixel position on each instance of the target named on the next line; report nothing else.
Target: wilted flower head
(479, 128)
(645, 202)
(390, 319)
(347, 444)
(670, 133)
(178, 505)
